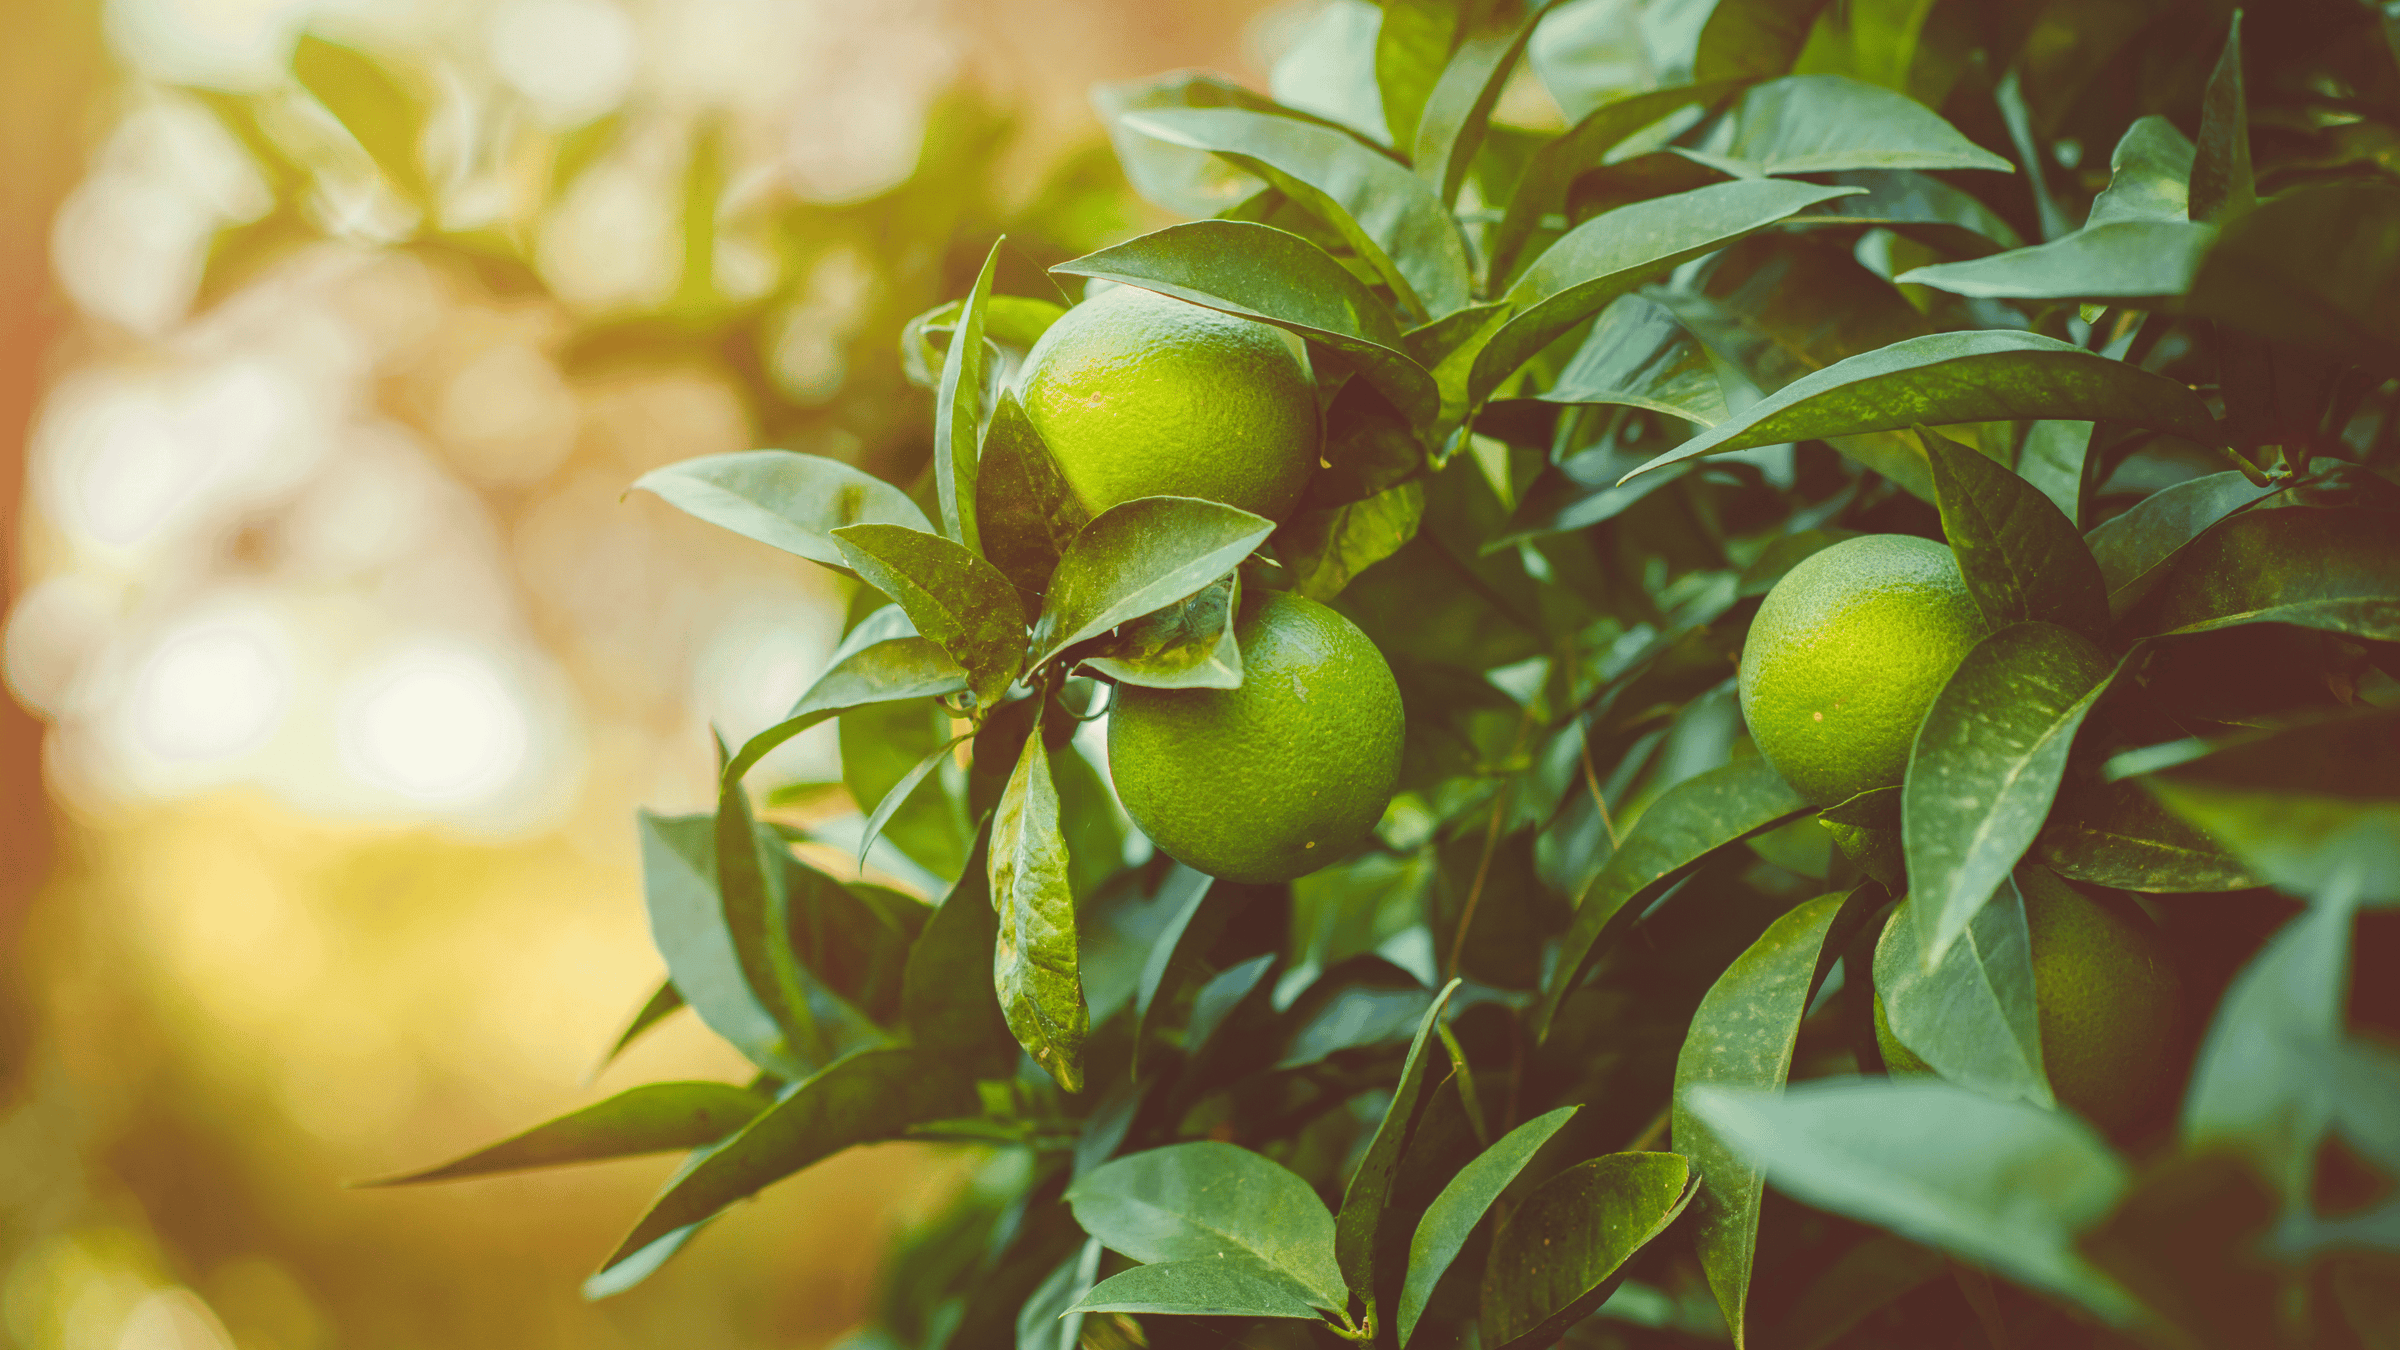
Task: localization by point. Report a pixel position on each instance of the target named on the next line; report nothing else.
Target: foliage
(1586, 395)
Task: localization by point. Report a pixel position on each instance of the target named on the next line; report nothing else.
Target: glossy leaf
(1412, 45)
(1324, 548)
(372, 105)
(2137, 549)
(946, 991)
(1214, 1202)
(1921, 207)
(688, 925)
(1380, 209)
(1563, 1251)
(1612, 253)
(1688, 823)
(886, 670)
(861, 1099)
(2317, 267)
(1641, 355)
(1971, 1017)
(2149, 175)
(2332, 568)
(652, 1118)
(1138, 557)
(2118, 834)
(1187, 645)
(1742, 1035)
(1026, 514)
(2120, 260)
(2001, 1184)
(1195, 1286)
(1458, 111)
(956, 599)
(1276, 277)
(1829, 123)
(2221, 183)
(792, 501)
(1358, 1228)
(957, 412)
(1945, 378)
(1034, 966)
(1452, 1216)
(2022, 558)
(1985, 768)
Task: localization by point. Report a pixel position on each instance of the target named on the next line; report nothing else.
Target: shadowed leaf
(1563, 1251)
(1026, 512)
(2021, 556)
(1325, 547)
(652, 1118)
(1359, 1227)
(1452, 1216)
(1211, 1201)
(1187, 645)
(1971, 1017)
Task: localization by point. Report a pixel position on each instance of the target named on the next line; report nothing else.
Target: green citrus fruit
(1846, 655)
(1279, 776)
(1138, 394)
(2106, 999)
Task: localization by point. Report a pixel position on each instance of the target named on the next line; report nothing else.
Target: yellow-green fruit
(1846, 655)
(1138, 394)
(2106, 1000)
(1279, 776)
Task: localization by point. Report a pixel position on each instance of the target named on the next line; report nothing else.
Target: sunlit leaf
(1195, 1286)
(1412, 45)
(652, 1118)
(792, 501)
(688, 925)
(956, 599)
(1138, 557)
(1562, 1252)
(1034, 969)
(957, 412)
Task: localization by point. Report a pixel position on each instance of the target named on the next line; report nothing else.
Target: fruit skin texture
(1138, 394)
(1279, 776)
(2106, 998)
(1846, 654)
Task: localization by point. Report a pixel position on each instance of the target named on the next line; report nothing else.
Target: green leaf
(663, 1001)
(1014, 320)
(1866, 828)
(1187, 645)
(1368, 445)
(1462, 1204)
(864, 1098)
(2002, 1184)
(955, 598)
(946, 992)
(1946, 378)
(1323, 548)
(1412, 45)
(2332, 568)
(1025, 513)
(1185, 181)
(1262, 273)
(1379, 209)
(1211, 1201)
(1679, 831)
(1860, 1282)
(1034, 967)
(652, 1118)
(1612, 253)
(1138, 557)
(898, 794)
(1542, 190)
(1561, 1254)
(688, 924)
(2149, 175)
(2137, 549)
(1971, 1017)
(1986, 766)
(1048, 1320)
(1196, 1286)
(2118, 834)
(2022, 558)
(792, 501)
(1366, 1200)
(755, 908)
(1742, 1035)
(2312, 808)
(1830, 123)
(2221, 183)
(2054, 456)
(1641, 355)
(2120, 260)
(854, 940)
(1919, 206)
(373, 106)
(1183, 892)
(1458, 111)
(881, 661)
(957, 412)
(2317, 267)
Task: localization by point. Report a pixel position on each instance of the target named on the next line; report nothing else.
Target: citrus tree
(1773, 714)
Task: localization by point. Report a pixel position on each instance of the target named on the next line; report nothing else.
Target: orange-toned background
(339, 663)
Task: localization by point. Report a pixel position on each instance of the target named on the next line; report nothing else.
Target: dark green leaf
(1561, 1254)
(1368, 445)
(1276, 277)
(1390, 219)
(1138, 557)
(652, 1118)
(689, 926)
(2117, 834)
(1640, 354)
(1358, 1228)
(2332, 568)
(2221, 183)
(1033, 962)
(1459, 110)
(2002, 1184)
(2136, 550)
(1026, 513)
(1986, 766)
(1830, 123)
(1461, 1205)
(2317, 267)
(1323, 548)
(1183, 892)
(853, 940)
(947, 994)
(1971, 1017)
(864, 1098)
(751, 896)
(1195, 1286)
(1921, 207)
(2120, 260)
(1866, 828)
(1412, 45)
(1046, 1322)
(957, 412)
(1753, 37)
(2022, 558)
(373, 106)
(792, 501)
(955, 598)
(1862, 1281)
(1612, 253)
(2054, 457)
(1214, 1202)
(1688, 823)
(898, 794)
(1187, 645)
(1742, 1035)
(1946, 378)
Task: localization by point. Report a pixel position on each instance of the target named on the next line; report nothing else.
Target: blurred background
(338, 659)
